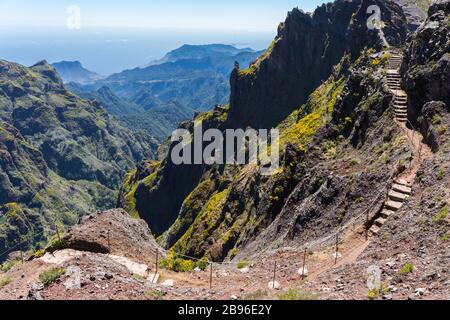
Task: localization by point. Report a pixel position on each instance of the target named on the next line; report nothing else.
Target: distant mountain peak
(73, 71)
(201, 51)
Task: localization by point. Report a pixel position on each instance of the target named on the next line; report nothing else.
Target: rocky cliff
(304, 52)
(426, 72)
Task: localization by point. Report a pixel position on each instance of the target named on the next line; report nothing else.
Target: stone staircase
(393, 81)
(400, 191)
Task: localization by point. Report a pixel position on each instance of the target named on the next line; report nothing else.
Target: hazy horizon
(117, 36)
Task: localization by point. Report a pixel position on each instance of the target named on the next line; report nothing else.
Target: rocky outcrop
(426, 70)
(113, 232)
(415, 12)
(304, 52)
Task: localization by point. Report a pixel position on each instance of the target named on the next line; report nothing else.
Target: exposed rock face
(217, 210)
(426, 68)
(415, 12)
(60, 156)
(304, 52)
(114, 232)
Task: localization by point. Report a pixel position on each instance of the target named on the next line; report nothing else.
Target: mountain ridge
(55, 145)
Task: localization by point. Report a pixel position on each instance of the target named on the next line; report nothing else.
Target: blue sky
(253, 15)
(117, 35)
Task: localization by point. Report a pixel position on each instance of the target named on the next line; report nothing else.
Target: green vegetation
(373, 294)
(318, 109)
(353, 162)
(437, 119)
(137, 277)
(294, 294)
(51, 275)
(442, 215)
(39, 253)
(176, 263)
(406, 269)
(446, 237)
(441, 174)
(5, 281)
(242, 264)
(256, 295)
(8, 265)
(155, 294)
(205, 221)
(58, 244)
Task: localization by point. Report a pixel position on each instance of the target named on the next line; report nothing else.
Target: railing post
(337, 248)
(210, 275)
(274, 274)
(304, 263)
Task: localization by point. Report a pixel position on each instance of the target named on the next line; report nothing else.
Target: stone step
(393, 205)
(402, 182)
(401, 189)
(374, 230)
(396, 196)
(386, 213)
(380, 222)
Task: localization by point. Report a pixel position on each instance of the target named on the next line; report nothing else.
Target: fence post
(57, 232)
(156, 266)
(304, 262)
(210, 275)
(21, 256)
(109, 242)
(274, 274)
(367, 225)
(337, 248)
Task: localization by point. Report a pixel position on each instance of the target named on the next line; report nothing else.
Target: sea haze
(110, 50)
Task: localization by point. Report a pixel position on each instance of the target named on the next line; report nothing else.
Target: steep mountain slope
(61, 156)
(218, 210)
(73, 71)
(412, 250)
(415, 11)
